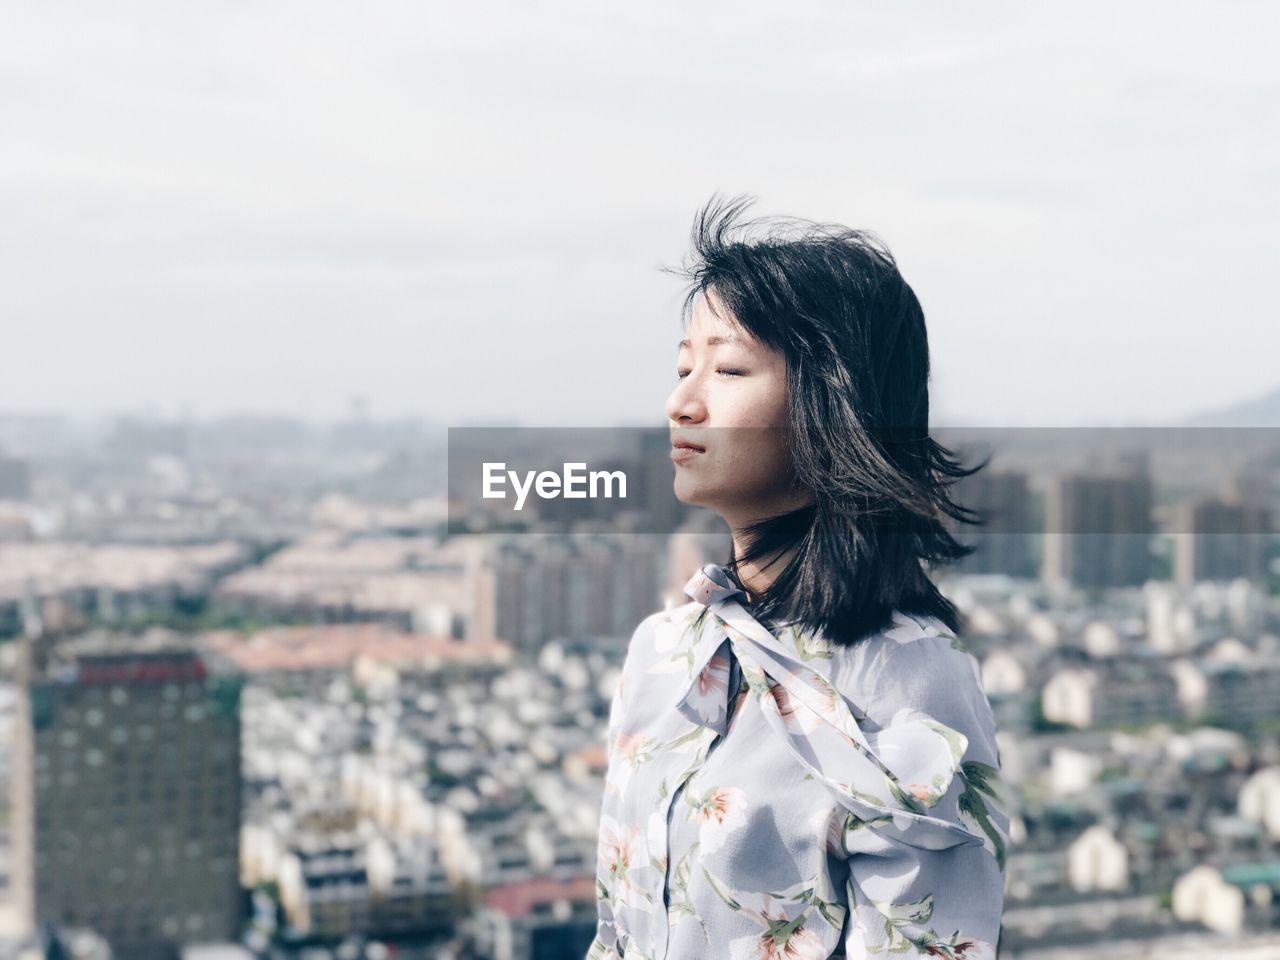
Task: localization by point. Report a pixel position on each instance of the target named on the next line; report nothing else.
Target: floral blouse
(774, 795)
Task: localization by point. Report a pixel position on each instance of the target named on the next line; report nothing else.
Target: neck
(757, 575)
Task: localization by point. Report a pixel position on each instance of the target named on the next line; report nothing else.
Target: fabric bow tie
(816, 720)
(711, 585)
(728, 631)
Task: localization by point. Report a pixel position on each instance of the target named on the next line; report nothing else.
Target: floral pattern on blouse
(772, 795)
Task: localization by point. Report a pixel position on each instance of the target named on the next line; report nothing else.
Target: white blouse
(772, 794)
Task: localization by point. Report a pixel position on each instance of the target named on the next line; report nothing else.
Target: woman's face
(733, 383)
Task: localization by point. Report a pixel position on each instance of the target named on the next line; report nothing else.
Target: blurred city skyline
(271, 688)
(208, 210)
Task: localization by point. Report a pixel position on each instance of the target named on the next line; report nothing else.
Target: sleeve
(604, 946)
(907, 900)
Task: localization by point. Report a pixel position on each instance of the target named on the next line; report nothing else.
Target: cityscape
(260, 700)
(316, 320)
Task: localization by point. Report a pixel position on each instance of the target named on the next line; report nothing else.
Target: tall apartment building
(1098, 528)
(532, 590)
(1002, 543)
(15, 478)
(1220, 540)
(126, 793)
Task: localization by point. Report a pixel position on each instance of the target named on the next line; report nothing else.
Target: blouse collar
(805, 708)
(712, 584)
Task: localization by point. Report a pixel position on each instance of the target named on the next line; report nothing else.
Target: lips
(683, 451)
(680, 443)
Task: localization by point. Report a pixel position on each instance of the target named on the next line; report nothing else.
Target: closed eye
(723, 371)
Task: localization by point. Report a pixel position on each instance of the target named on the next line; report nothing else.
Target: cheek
(758, 403)
(759, 459)
(756, 453)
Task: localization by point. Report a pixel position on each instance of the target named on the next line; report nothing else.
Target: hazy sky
(458, 211)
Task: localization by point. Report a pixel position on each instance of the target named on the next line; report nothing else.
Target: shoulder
(660, 632)
(658, 637)
(656, 659)
(919, 655)
(917, 664)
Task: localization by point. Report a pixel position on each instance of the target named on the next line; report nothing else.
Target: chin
(693, 493)
(688, 494)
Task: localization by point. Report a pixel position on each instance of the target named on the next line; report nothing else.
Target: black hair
(833, 301)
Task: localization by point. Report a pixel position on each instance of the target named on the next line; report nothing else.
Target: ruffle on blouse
(889, 778)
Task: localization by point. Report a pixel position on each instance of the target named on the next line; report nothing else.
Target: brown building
(126, 793)
(1098, 528)
(1220, 540)
(15, 478)
(1002, 541)
(540, 589)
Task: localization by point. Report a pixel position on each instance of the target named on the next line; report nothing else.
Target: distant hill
(1262, 411)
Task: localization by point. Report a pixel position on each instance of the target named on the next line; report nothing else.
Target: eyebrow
(713, 341)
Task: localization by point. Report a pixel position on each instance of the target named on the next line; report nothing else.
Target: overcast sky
(458, 211)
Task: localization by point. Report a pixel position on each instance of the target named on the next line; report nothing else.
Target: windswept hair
(832, 300)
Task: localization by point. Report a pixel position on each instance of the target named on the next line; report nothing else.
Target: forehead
(711, 324)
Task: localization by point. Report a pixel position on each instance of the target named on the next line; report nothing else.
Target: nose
(685, 405)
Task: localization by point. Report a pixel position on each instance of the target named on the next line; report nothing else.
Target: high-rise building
(15, 478)
(1218, 540)
(126, 793)
(1002, 542)
(535, 589)
(1098, 528)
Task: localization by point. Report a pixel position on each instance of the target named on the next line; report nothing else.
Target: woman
(802, 760)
